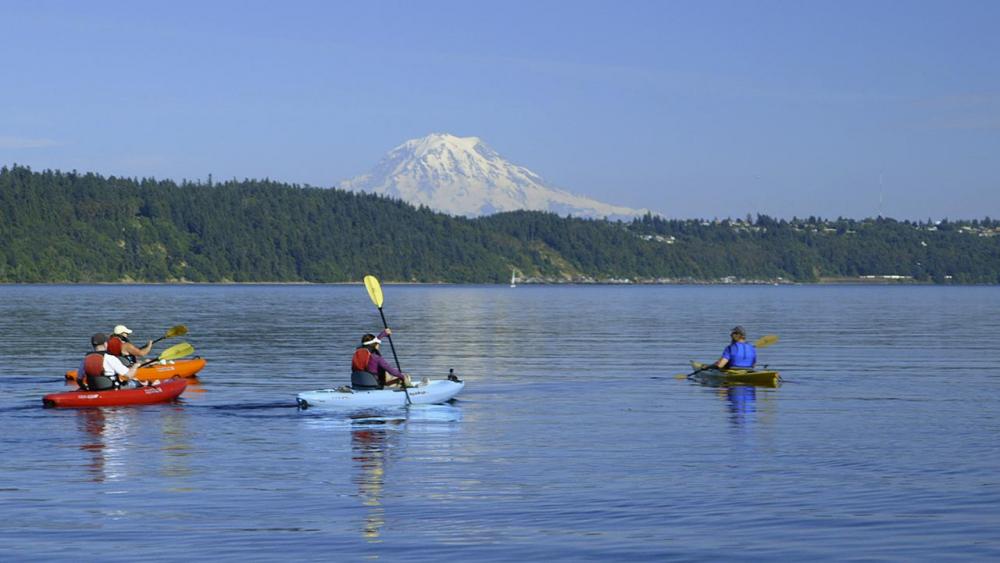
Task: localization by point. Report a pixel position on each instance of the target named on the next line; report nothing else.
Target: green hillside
(71, 227)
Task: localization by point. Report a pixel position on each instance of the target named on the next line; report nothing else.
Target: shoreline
(535, 282)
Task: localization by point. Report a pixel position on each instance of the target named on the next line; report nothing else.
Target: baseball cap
(121, 329)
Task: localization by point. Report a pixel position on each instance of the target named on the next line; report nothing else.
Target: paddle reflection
(176, 444)
(374, 436)
(370, 444)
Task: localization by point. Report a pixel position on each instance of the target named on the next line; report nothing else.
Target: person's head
(121, 331)
(370, 341)
(98, 340)
(738, 333)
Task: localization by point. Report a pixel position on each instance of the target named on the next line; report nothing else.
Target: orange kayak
(163, 372)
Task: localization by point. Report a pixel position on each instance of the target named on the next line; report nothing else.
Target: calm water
(881, 445)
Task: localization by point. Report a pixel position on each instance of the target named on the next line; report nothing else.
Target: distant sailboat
(513, 278)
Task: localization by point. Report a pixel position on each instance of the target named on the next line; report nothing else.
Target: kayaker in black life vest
(369, 370)
(119, 345)
(739, 353)
(101, 371)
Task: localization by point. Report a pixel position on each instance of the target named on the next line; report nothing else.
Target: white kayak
(430, 393)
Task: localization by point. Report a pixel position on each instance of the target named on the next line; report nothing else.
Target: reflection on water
(194, 386)
(109, 435)
(377, 437)
(370, 446)
(106, 439)
(543, 459)
(374, 437)
(176, 443)
(741, 401)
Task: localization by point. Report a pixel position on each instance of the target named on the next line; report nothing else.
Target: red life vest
(360, 360)
(115, 346)
(93, 364)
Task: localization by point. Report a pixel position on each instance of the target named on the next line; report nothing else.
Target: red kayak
(166, 391)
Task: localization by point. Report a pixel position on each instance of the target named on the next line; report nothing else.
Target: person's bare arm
(133, 350)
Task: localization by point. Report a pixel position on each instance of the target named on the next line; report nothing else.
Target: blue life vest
(740, 355)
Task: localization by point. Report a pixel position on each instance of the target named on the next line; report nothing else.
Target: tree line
(76, 228)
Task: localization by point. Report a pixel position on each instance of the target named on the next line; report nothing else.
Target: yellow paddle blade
(177, 351)
(179, 330)
(374, 290)
(766, 340)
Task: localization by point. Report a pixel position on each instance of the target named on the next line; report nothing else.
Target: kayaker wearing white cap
(119, 345)
(369, 370)
(739, 353)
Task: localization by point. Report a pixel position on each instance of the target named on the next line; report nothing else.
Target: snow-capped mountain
(464, 176)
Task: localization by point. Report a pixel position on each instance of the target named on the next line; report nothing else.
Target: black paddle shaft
(389, 336)
(402, 382)
(699, 370)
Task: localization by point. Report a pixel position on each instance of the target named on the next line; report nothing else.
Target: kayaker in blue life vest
(369, 370)
(739, 353)
(100, 371)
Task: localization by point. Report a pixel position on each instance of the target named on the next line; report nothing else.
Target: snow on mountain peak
(464, 176)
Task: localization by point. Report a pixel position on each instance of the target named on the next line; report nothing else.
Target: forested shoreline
(69, 227)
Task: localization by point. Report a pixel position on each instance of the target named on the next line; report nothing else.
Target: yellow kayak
(746, 376)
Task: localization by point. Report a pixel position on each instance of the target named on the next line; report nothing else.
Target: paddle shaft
(402, 381)
(699, 370)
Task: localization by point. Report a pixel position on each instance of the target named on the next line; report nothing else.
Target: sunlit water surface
(573, 440)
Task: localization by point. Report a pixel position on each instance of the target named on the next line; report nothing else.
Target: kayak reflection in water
(106, 438)
(370, 447)
(369, 370)
(739, 353)
(742, 403)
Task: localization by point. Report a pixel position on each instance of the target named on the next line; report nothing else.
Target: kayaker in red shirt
(119, 345)
(369, 370)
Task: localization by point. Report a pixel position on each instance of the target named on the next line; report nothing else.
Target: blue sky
(693, 109)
